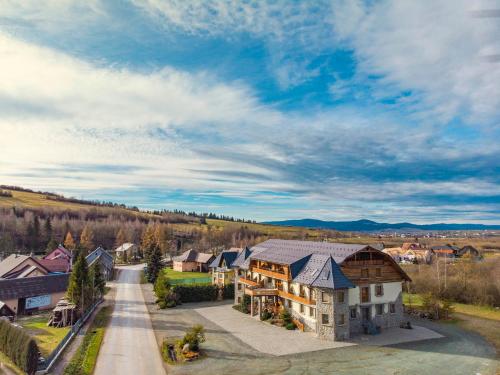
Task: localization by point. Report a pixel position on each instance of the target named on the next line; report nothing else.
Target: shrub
(19, 347)
(290, 326)
(195, 293)
(194, 337)
(266, 315)
(286, 317)
(228, 291)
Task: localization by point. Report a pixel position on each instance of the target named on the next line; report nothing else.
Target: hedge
(200, 293)
(19, 347)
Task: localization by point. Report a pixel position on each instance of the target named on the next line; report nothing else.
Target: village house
(104, 259)
(332, 289)
(58, 260)
(222, 273)
(127, 250)
(192, 261)
(410, 253)
(19, 266)
(30, 294)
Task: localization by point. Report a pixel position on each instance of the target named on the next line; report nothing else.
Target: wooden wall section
(371, 260)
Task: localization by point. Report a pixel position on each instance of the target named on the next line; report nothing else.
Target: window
(379, 309)
(289, 303)
(341, 319)
(392, 308)
(378, 272)
(301, 308)
(239, 286)
(312, 312)
(365, 294)
(324, 319)
(340, 297)
(324, 297)
(379, 290)
(221, 276)
(353, 313)
(365, 273)
(239, 299)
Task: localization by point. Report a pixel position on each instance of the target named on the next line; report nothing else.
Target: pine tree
(69, 242)
(79, 288)
(87, 238)
(48, 229)
(154, 263)
(97, 279)
(148, 241)
(36, 232)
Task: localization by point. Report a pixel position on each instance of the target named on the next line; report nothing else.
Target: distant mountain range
(372, 226)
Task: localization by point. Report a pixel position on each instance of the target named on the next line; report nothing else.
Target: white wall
(391, 293)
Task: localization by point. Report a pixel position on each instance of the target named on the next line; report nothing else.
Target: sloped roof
(33, 286)
(229, 256)
(242, 256)
(193, 256)
(56, 265)
(290, 251)
(13, 261)
(62, 249)
(125, 247)
(99, 253)
(323, 272)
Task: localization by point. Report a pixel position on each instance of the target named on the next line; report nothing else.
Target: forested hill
(34, 221)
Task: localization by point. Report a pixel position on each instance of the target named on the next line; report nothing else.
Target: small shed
(64, 314)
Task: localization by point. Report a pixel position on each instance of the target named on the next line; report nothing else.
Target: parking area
(227, 353)
(277, 341)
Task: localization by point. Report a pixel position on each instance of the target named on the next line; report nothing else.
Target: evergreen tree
(87, 238)
(97, 279)
(154, 263)
(148, 241)
(69, 242)
(48, 229)
(79, 288)
(52, 245)
(36, 232)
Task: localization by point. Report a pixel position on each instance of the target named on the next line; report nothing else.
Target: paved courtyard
(277, 341)
(458, 352)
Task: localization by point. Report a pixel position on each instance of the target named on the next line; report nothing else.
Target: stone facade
(238, 293)
(341, 311)
(324, 306)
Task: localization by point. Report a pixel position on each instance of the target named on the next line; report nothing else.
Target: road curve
(129, 345)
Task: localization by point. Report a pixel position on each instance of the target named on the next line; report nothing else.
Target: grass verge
(85, 358)
(47, 338)
(176, 275)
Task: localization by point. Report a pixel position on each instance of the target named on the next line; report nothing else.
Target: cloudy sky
(386, 110)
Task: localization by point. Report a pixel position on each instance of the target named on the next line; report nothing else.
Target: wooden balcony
(261, 292)
(248, 282)
(269, 273)
(295, 298)
(367, 262)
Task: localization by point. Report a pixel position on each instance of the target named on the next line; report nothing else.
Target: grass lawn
(47, 338)
(176, 275)
(485, 312)
(85, 358)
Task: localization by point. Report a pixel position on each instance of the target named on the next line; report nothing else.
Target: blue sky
(338, 110)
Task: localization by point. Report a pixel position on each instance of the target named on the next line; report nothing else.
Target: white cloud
(433, 49)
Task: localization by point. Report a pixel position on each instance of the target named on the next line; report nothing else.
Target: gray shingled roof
(33, 286)
(323, 272)
(229, 257)
(290, 251)
(242, 256)
(99, 253)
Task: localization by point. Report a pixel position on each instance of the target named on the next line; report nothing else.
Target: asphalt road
(129, 345)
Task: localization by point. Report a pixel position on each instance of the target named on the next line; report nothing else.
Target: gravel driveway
(459, 352)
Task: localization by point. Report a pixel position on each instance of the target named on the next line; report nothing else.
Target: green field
(177, 277)
(47, 338)
(484, 312)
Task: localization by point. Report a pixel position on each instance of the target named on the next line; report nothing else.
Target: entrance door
(366, 314)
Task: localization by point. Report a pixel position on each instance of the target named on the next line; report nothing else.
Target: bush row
(19, 347)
